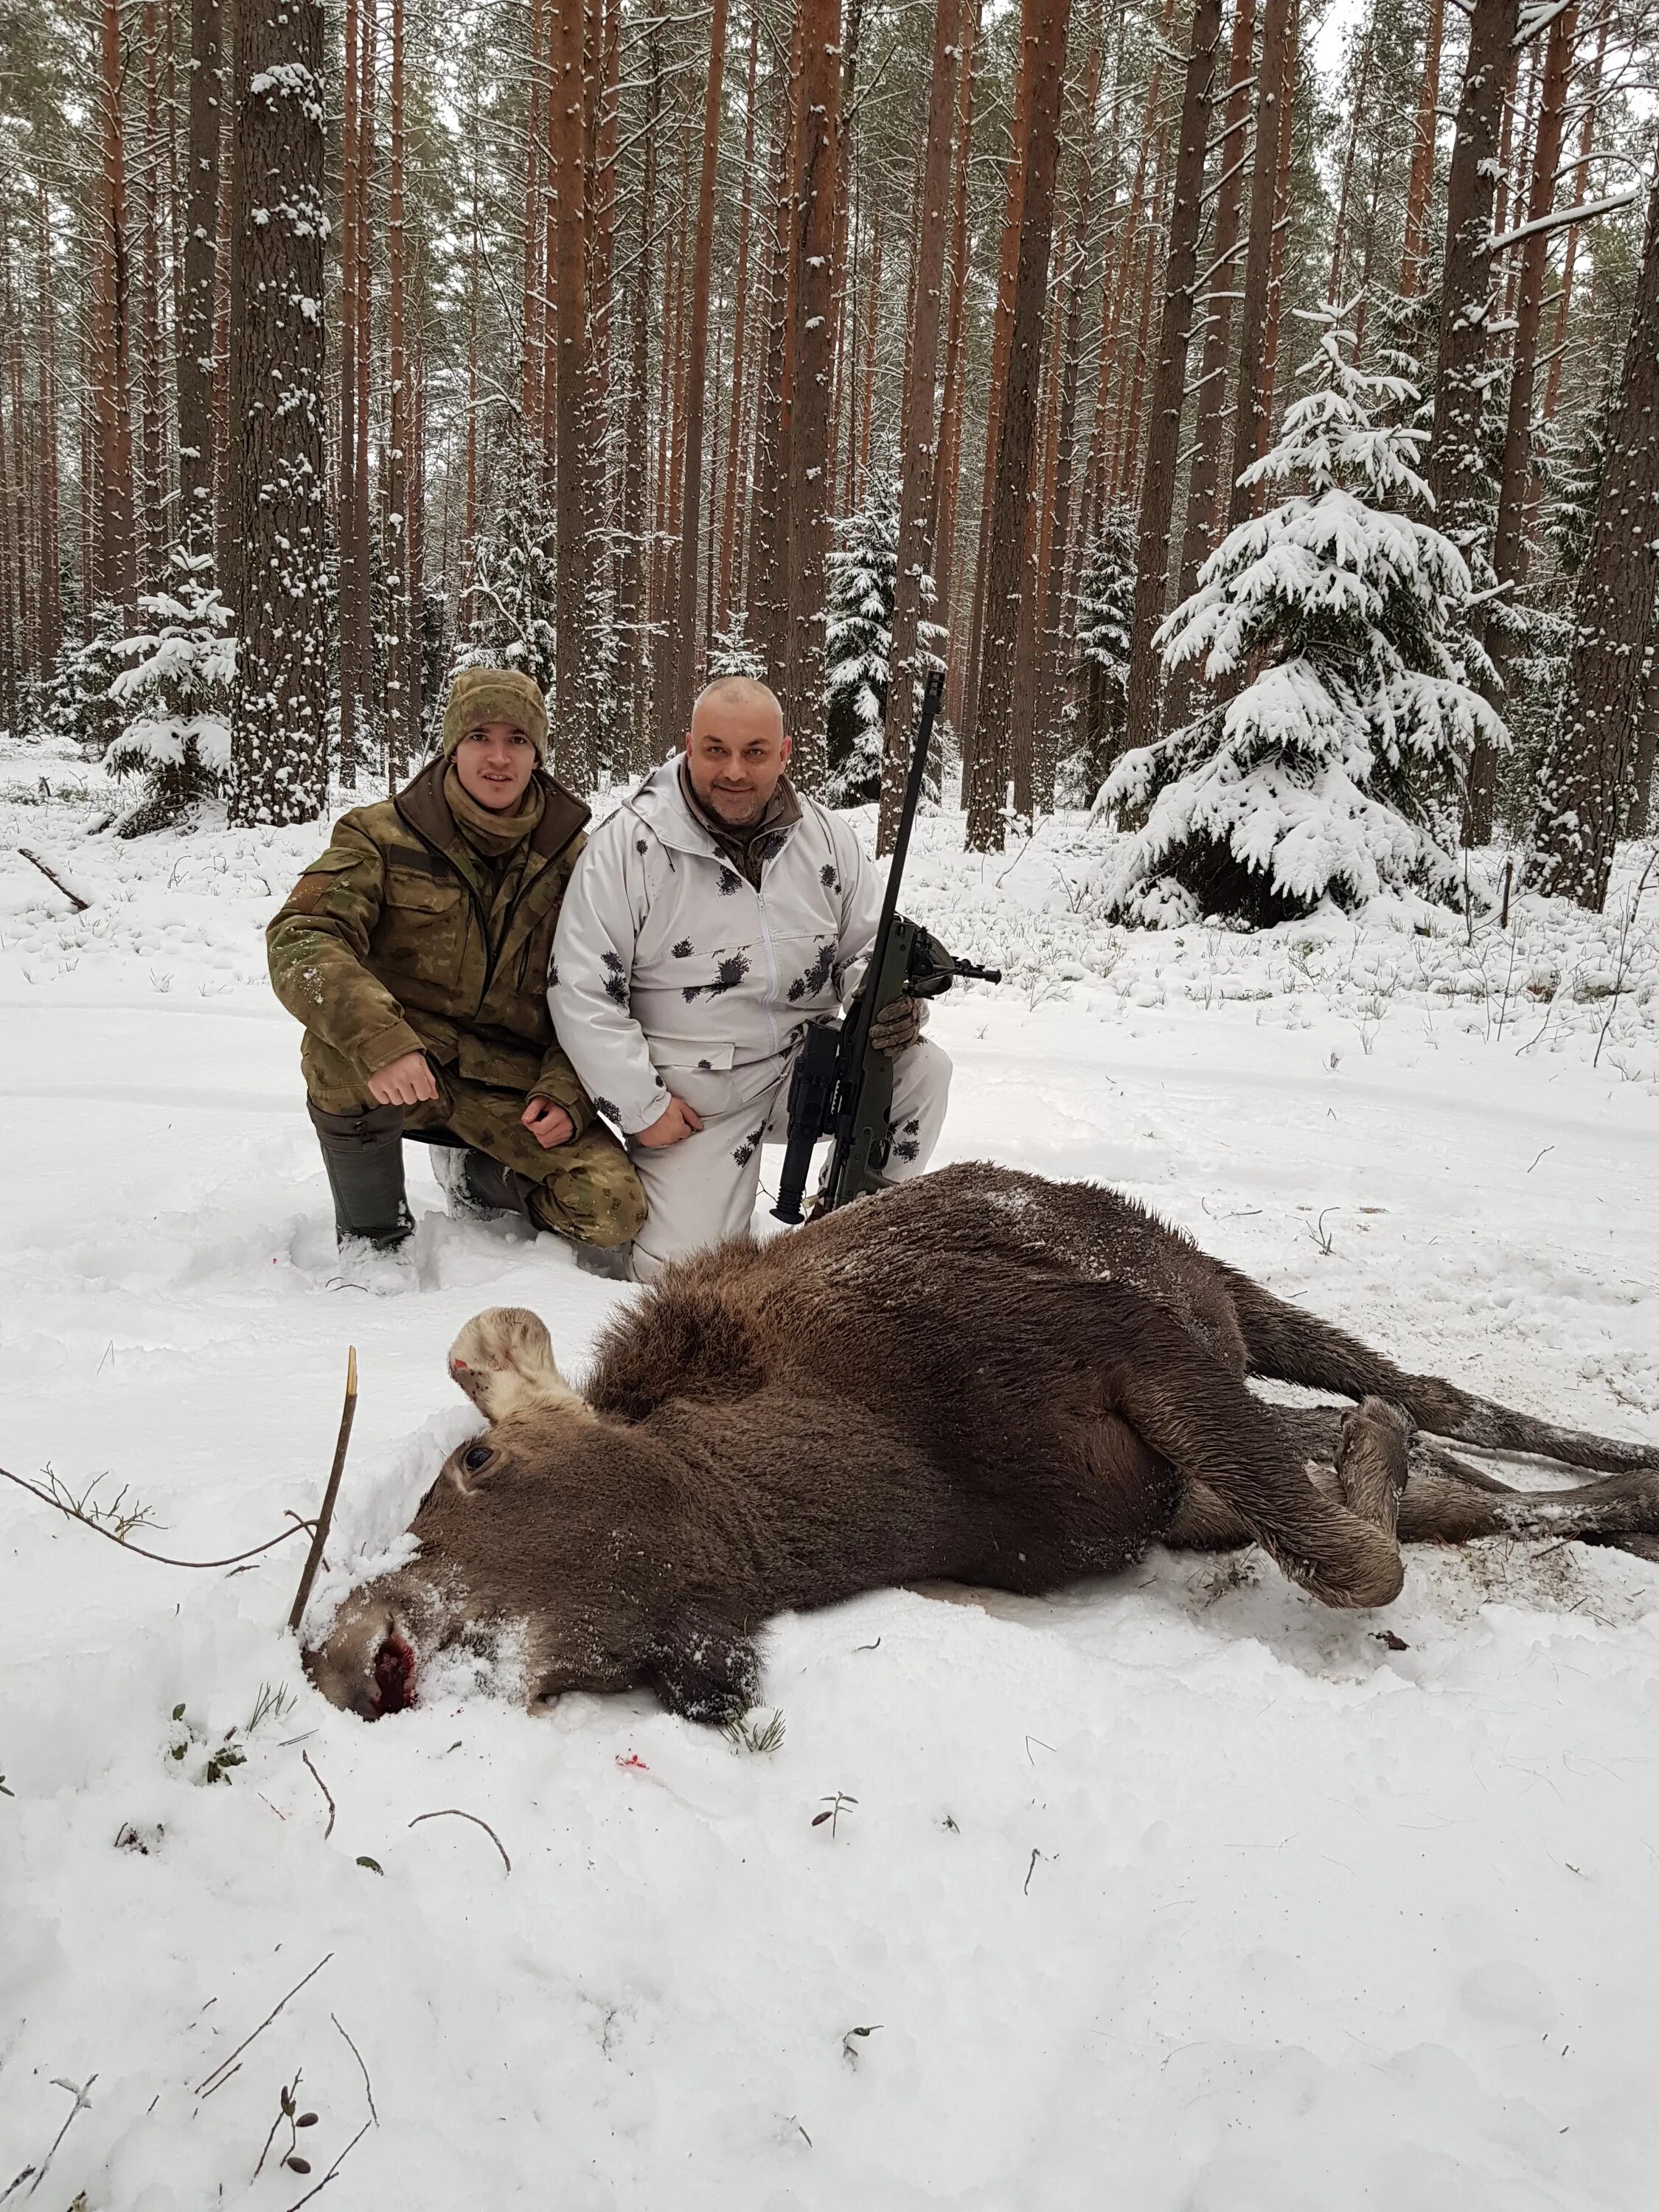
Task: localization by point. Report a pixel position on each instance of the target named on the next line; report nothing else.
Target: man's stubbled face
(736, 752)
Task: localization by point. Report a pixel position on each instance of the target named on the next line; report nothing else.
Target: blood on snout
(394, 1676)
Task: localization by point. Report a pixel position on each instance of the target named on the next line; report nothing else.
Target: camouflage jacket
(401, 939)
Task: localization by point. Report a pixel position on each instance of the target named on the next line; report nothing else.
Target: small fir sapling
(507, 609)
(732, 651)
(862, 570)
(175, 698)
(1105, 606)
(1331, 634)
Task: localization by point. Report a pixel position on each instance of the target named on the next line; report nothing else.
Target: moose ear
(702, 1665)
(503, 1360)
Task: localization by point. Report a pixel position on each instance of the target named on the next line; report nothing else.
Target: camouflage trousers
(585, 1190)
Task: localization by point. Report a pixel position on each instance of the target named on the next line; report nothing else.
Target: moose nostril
(394, 1676)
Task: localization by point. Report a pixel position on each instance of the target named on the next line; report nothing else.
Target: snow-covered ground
(1175, 1893)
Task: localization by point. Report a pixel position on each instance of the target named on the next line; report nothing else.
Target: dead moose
(980, 1376)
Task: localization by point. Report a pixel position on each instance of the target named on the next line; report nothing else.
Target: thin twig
(266, 2021)
(75, 900)
(323, 1786)
(454, 1812)
(332, 2171)
(82, 2094)
(320, 1535)
(368, 2087)
(137, 1550)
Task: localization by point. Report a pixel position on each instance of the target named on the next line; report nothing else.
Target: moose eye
(479, 1456)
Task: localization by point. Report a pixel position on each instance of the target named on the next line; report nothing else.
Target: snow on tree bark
(1509, 556)
(810, 350)
(1043, 40)
(920, 429)
(278, 756)
(1158, 485)
(1258, 260)
(1586, 782)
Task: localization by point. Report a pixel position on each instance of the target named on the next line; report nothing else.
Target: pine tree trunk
(1586, 782)
(1058, 564)
(768, 613)
(1509, 555)
(1002, 340)
(1044, 29)
(349, 568)
(51, 611)
(809, 365)
(1247, 411)
(1456, 463)
(1276, 270)
(224, 525)
(195, 347)
(918, 433)
(534, 286)
(1647, 747)
(570, 724)
(117, 565)
(1158, 483)
(1209, 434)
(1420, 190)
(631, 701)
(942, 527)
(683, 642)
(1119, 290)
(729, 562)
(399, 719)
(1340, 225)
(279, 761)
(1128, 458)
(152, 436)
(363, 317)
(1575, 182)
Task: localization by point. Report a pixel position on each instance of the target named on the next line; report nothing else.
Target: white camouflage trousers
(705, 1188)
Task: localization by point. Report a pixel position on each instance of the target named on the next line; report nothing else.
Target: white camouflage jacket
(673, 975)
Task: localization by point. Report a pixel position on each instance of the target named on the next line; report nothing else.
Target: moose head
(584, 1535)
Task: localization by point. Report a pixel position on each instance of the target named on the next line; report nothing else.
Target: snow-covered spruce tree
(1331, 635)
(858, 641)
(863, 573)
(78, 702)
(174, 700)
(507, 621)
(1105, 606)
(732, 651)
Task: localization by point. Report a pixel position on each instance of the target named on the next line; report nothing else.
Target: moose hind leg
(1371, 1464)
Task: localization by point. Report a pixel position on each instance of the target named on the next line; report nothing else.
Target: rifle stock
(842, 1085)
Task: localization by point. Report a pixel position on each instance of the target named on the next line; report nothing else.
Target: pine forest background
(340, 344)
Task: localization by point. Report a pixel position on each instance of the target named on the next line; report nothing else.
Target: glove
(898, 1025)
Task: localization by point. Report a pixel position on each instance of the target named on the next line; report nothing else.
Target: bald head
(735, 748)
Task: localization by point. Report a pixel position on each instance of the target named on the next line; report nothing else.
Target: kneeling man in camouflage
(416, 953)
(713, 917)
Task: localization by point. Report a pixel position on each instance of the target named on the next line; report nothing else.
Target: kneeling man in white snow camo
(714, 916)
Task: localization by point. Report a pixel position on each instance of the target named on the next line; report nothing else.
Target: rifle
(842, 1085)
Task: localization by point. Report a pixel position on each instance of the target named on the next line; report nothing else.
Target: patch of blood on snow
(394, 1675)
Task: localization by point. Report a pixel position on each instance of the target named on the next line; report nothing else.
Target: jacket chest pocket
(413, 892)
(423, 922)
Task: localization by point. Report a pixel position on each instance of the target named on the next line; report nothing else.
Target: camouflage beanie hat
(479, 695)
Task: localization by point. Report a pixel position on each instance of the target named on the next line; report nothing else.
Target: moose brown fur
(980, 1376)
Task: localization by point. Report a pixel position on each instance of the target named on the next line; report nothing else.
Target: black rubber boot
(363, 1154)
(488, 1184)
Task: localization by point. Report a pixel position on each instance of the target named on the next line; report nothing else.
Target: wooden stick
(313, 1560)
(74, 897)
